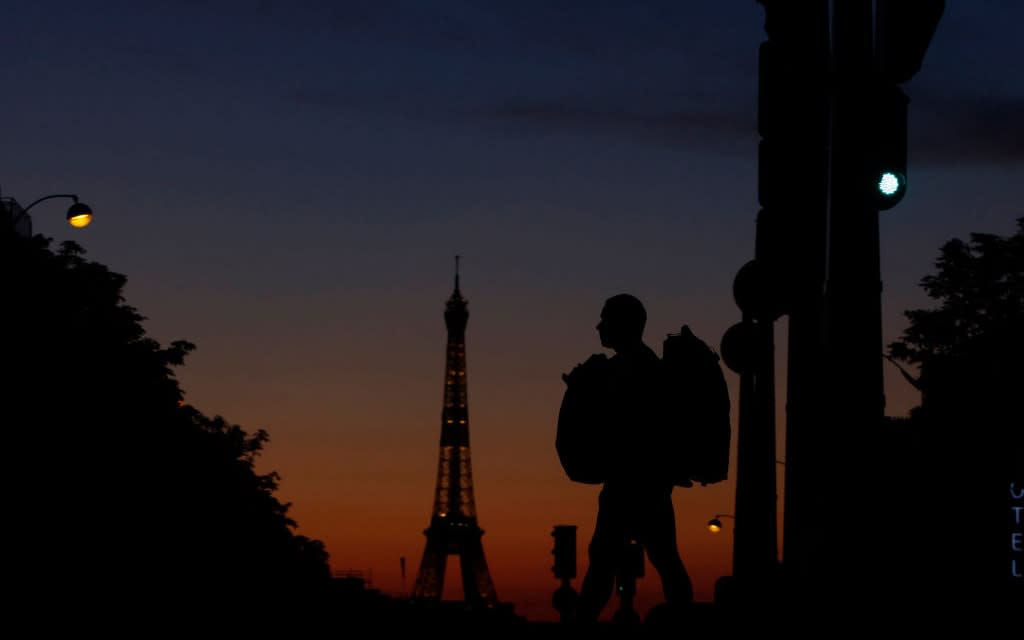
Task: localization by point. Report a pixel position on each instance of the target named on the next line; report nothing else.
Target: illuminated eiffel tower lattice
(453, 526)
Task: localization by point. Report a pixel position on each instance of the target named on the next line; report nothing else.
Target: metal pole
(805, 412)
(852, 315)
(755, 547)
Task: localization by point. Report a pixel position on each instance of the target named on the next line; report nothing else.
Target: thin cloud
(959, 130)
(671, 126)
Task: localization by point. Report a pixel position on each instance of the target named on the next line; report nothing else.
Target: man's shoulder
(636, 361)
(646, 356)
(641, 353)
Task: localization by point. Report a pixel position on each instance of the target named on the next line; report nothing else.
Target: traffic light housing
(888, 133)
(777, 173)
(792, 179)
(903, 31)
(778, 185)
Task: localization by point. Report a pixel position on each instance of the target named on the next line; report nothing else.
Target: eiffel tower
(453, 527)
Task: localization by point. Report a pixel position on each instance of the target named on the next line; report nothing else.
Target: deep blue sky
(286, 183)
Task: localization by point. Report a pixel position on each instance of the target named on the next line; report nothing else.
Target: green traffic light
(890, 184)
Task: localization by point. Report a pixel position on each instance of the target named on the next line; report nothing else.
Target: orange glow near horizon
(356, 447)
(372, 530)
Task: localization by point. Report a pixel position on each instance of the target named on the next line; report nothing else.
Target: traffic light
(780, 182)
(888, 130)
(903, 31)
(792, 121)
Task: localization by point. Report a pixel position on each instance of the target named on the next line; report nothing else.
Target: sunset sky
(286, 184)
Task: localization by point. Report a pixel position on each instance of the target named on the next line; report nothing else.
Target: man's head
(622, 322)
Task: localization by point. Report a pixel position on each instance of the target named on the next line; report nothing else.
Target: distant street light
(79, 214)
(715, 525)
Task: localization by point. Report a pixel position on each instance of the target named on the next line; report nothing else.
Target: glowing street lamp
(715, 525)
(79, 214)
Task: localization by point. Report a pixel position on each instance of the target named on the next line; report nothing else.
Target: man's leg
(604, 553)
(659, 540)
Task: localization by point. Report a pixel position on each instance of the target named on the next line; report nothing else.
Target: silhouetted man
(636, 500)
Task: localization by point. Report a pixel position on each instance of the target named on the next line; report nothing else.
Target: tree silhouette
(970, 346)
(969, 428)
(125, 501)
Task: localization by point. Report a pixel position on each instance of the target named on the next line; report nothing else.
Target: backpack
(696, 411)
(581, 439)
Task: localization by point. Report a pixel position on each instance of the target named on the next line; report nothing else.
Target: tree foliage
(123, 494)
(980, 287)
(969, 347)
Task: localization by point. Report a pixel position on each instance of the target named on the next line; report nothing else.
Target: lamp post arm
(56, 195)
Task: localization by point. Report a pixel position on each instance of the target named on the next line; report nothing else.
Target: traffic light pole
(786, 277)
(801, 27)
(755, 546)
(853, 340)
(832, 120)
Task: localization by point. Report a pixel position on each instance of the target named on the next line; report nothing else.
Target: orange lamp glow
(715, 524)
(79, 215)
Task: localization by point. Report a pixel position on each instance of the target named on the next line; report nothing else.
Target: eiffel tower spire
(453, 525)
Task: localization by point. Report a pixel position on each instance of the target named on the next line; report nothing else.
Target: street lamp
(78, 215)
(715, 525)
